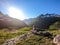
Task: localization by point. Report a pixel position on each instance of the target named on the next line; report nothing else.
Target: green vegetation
(39, 40)
(56, 25)
(4, 35)
(32, 40)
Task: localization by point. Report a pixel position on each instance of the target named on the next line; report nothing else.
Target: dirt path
(16, 39)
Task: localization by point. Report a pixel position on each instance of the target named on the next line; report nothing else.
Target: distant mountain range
(7, 21)
(43, 21)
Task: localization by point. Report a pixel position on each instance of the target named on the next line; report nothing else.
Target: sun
(16, 13)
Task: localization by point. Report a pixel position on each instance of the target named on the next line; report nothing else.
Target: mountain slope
(43, 21)
(6, 22)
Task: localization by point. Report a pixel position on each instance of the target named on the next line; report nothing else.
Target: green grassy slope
(39, 40)
(4, 35)
(32, 40)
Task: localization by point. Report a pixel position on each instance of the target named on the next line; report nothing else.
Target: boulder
(56, 40)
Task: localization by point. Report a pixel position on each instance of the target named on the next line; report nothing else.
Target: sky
(31, 8)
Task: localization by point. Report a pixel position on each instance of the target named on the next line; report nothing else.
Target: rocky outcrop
(56, 40)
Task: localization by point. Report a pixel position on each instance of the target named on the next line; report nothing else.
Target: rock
(44, 33)
(47, 33)
(56, 40)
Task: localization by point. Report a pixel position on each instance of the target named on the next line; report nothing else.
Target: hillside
(55, 25)
(39, 40)
(43, 21)
(6, 22)
(32, 40)
(6, 35)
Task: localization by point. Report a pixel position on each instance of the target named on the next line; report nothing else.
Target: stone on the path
(56, 40)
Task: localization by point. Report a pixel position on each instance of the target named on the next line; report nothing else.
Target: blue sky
(31, 8)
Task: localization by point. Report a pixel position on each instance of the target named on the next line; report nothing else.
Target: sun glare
(16, 13)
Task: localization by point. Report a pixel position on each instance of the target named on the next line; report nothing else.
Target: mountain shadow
(9, 22)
